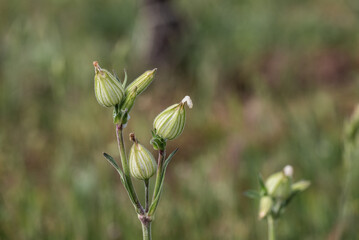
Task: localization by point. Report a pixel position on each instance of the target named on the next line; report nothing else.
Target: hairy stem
(271, 232)
(126, 170)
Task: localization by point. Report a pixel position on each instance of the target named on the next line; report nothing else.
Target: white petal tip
(188, 101)
(288, 171)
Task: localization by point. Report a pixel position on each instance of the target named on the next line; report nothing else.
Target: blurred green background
(272, 83)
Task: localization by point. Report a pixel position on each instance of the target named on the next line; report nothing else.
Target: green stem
(161, 158)
(126, 170)
(147, 182)
(146, 231)
(271, 232)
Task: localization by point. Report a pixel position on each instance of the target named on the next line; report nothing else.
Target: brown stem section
(147, 182)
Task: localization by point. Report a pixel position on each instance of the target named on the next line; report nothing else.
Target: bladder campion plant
(275, 195)
(140, 164)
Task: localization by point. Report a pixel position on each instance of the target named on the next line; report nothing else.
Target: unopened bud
(170, 123)
(129, 100)
(300, 186)
(128, 104)
(142, 82)
(265, 206)
(108, 89)
(279, 185)
(142, 163)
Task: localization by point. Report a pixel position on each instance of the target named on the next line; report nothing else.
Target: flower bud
(108, 89)
(129, 100)
(169, 124)
(300, 186)
(279, 184)
(142, 82)
(142, 163)
(265, 206)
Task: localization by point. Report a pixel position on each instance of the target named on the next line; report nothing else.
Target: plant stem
(146, 231)
(147, 181)
(156, 191)
(271, 233)
(126, 170)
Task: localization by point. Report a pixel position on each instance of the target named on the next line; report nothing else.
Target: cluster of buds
(277, 191)
(168, 125)
(110, 92)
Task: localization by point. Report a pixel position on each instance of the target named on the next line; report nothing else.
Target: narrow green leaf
(115, 165)
(154, 203)
(123, 180)
(252, 194)
(262, 186)
(125, 80)
(170, 158)
(112, 161)
(116, 76)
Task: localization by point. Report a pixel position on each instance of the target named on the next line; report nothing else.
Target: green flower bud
(142, 163)
(169, 124)
(127, 105)
(129, 100)
(142, 82)
(108, 89)
(279, 184)
(265, 206)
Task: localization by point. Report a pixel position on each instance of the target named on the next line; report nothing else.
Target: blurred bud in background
(265, 206)
(277, 192)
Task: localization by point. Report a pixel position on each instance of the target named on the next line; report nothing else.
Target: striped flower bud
(142, 82)
(108, 89)
(169, 124)
(129, 100)
(142, 163)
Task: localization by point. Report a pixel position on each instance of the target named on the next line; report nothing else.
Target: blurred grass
(272, 83)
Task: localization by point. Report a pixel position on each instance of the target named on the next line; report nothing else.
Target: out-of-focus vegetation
(272, 83)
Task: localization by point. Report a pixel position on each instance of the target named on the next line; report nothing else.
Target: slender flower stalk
(157, 189)
(271, 233)
(147, 183)
(126, 170)
(146, 231)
